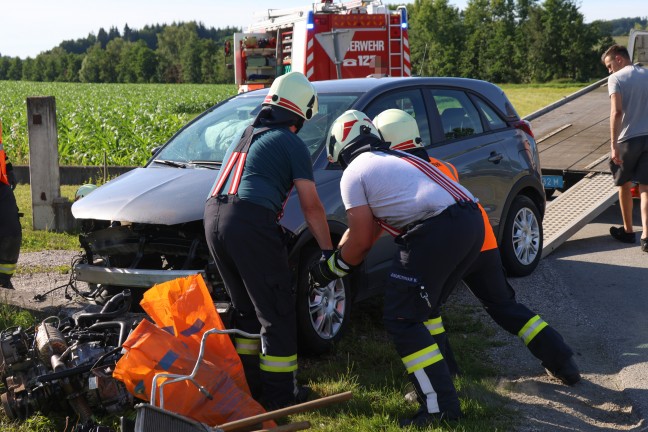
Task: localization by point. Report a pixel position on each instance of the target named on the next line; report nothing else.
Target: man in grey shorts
(628, 89)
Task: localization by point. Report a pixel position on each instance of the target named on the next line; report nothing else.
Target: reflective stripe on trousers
(420, 359)
(247, 346)
(531, 329)
(8, 269)
(278, 364)
(435, 326)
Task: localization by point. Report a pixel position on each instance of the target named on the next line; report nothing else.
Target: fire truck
(326, 40)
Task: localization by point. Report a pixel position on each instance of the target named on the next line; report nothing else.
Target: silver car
(145, 226)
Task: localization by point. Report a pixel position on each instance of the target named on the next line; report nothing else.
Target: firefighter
(486, 277)
(10, 229)
(426, 212)
(247, 243)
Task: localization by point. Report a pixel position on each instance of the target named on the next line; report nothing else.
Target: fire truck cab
(326, 40)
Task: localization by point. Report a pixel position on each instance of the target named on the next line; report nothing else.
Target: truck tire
(521, 246)
(323, 314)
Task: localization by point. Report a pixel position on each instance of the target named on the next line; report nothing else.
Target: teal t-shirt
(276, 158)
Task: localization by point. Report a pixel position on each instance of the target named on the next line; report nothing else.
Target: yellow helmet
(399, 129)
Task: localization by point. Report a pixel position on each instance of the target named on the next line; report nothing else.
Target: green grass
(37, 240)
(528, 98)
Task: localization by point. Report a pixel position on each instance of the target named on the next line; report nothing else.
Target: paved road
(609, 281)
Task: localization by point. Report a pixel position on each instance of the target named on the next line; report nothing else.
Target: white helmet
(399, 129)
(295, 93)
(83, 191)
(349, 129)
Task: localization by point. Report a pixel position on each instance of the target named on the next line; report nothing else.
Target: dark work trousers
(429, 256)
(486, 279)
(10, 234)
(247, 244)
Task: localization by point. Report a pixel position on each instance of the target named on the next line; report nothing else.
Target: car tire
(521, 246)
(323, 314)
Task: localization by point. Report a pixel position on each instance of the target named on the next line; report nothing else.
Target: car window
(494, 120)
(459, 117)
(410, 101)
(209, 137)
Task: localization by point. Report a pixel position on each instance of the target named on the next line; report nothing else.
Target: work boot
(568, 372)
(423, 419)
(620, 234)
(5, 281)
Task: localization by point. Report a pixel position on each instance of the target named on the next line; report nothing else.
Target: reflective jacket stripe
(7, 269)
(278, 364)
(531, 329)
(423, 358)
(435, 326)
(247, 346)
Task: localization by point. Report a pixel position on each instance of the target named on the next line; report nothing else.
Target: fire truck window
(459, 117)
(410, 101)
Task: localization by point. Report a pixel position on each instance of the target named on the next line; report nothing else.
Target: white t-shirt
(632, 83)
(397, 192)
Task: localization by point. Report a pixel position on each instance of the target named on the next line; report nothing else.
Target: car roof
(370, 86)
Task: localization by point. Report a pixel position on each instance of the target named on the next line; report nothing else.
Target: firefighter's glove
(327, 270)
(11, 176)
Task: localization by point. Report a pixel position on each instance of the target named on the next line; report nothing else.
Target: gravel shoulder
(597, 403)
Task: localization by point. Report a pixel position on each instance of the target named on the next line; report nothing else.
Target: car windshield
(208, 138)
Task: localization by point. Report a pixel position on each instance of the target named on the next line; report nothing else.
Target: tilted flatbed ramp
(575, 208)
(573, 137)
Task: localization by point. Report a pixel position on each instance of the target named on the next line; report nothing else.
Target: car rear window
(459, 117)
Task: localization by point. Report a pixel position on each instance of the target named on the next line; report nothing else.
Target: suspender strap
(434, 174)
(236, 162)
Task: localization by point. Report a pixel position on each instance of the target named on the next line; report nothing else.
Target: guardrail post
(49, 208)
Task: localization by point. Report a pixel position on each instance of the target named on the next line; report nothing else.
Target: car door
(470, 134)
(411, 101)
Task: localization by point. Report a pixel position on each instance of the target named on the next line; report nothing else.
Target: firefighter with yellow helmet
(425, 211)
(486, 277)
(10, 229)
(246, 242)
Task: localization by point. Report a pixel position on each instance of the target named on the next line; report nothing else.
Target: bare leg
(643, 190)
(625, 202)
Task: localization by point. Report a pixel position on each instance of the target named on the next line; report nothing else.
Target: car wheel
(322, 312)
(521, 247)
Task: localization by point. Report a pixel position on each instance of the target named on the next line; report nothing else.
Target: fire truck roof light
(403, 12)
(310, 22)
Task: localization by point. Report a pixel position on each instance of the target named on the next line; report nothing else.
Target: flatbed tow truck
(573, 139)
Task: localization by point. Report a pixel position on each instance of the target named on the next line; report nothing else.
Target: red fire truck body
(326, 41)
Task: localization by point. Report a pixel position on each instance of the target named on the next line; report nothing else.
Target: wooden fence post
(49, 209)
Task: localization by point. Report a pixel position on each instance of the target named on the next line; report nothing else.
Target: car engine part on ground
(64, 365)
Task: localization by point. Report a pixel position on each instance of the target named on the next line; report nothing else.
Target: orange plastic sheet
(183, 311)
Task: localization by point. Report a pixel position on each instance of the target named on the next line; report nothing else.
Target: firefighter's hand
(328, 270)
(12, 179)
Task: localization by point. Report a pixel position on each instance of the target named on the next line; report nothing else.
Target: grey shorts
(634, 153)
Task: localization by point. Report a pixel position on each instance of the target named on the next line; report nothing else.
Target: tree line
(503, 41)
(175, 53)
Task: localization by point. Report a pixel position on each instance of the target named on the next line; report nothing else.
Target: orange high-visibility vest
(490, 242)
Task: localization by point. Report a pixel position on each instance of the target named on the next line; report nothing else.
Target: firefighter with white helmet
(247, 244)
(486, 278)
(426, 212)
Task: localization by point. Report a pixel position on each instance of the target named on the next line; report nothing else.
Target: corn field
(121, 121)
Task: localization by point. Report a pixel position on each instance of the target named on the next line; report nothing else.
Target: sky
(29, 27)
